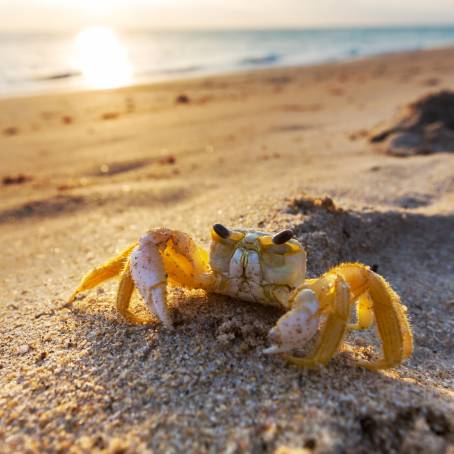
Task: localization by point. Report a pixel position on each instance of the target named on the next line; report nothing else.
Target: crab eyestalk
(222, 231)
(283, 236)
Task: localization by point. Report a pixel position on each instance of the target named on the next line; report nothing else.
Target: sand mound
(424, 127)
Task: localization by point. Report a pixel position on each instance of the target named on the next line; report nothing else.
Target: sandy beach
(85, 174)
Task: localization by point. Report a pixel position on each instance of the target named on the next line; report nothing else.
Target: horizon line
(232, 28)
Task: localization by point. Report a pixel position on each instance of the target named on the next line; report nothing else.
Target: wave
(266, 59)
(182, 69)
(58, 76)
(170, 70)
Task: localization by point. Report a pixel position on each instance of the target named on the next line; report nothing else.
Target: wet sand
(85, 174)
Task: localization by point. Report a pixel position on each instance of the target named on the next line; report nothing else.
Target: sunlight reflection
(102, 59)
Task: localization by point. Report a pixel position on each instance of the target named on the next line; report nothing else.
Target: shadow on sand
(208, 380)
(211, 365)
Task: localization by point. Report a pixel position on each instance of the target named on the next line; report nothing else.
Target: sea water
(40, 62)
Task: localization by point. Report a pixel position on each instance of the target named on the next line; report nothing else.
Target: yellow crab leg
(125, 290)
(333, 331)
(101, 273)
(184, 261)
(392, 324)
(364, 313)
(391, 320)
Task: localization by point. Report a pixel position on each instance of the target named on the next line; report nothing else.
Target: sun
(102, 59)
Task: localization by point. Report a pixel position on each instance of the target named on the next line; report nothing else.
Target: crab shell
(249, 266)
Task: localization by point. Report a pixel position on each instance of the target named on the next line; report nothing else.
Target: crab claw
(296, 327)
(147, 271)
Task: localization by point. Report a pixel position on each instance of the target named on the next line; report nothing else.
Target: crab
(267, 269)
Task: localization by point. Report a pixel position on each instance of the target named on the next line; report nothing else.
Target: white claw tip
(272, 350)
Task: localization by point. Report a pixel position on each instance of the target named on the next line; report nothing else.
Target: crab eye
(222, 231)
(282, 237)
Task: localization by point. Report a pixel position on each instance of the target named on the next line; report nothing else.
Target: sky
(69, 15)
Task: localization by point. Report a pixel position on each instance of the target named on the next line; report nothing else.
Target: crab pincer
(148, 273)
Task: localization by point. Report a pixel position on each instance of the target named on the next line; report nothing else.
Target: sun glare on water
(102, 59)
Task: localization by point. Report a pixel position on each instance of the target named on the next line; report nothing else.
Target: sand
(424, 127)
(84, 174)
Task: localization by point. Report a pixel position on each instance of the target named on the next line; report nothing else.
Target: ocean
(102, 58)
